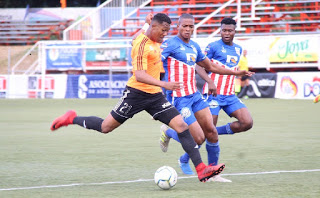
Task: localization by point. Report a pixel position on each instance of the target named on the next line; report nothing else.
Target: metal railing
(19, 67)
(100, 20)
(254, 4)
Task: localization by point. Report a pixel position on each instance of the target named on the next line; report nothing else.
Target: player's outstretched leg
(164, 138)
(206, 172)
(63, 120)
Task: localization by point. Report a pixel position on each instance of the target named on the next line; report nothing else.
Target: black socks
(190, 146)
(91, 122)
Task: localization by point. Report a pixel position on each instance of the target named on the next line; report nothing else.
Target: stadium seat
(292, 16)
(29, 32)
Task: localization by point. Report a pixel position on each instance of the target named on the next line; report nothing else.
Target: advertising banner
(55, 86)
(297, 85)
(257, 51)
(262, 85)
(109, 54)
(273, 52)
(96, 86)
(63, 58)
(3, 86)
(294, 49)
(257, 48)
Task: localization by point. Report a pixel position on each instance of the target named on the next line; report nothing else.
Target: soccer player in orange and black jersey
(143, 92)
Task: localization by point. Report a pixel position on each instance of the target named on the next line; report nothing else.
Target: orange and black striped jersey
(146, 55)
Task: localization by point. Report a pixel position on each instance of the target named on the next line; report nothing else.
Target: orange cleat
(206, 172)
(63, 120)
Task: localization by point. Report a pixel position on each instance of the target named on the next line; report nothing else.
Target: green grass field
(74, 162)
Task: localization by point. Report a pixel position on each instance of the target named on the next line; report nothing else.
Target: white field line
(146, 180)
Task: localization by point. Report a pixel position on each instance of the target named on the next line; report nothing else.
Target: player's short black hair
(185, 16)
(160, 18)
(228, 21)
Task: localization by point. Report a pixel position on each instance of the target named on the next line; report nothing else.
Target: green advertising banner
(294, 49)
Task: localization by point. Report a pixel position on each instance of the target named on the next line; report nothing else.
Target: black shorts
(133, 101)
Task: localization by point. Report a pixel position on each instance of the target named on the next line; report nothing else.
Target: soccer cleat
(63, 120)
(218, 178)
(185, 167)
(206, 172)
(164, 139)
(316, 99)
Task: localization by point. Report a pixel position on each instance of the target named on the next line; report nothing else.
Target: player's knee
(213, 139)
(179, 126)
(212, 135)
(199, 139)
(250, 125)
(183, 126)
(247, 125)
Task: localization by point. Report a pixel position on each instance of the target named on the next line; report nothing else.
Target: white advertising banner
(297, 85)
(3, 86)
(277, 52)
(17, 86)
(294, 49)
(55, 86)
(258, 51)
(24, 86)
(257, 48)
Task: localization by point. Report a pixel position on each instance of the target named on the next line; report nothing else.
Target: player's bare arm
(144, 77)
(203, 74)
(145, 27)
(245, 73)
(215, 68)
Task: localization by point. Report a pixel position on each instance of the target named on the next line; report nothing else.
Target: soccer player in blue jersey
(180, 56)
(226, 52)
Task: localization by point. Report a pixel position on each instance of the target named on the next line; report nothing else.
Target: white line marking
(146, 180)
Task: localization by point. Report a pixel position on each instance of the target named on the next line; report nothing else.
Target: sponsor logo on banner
(288, 86)
(96, 86)
(64, 58)
(262, 85)
(106, 57)
(298, 85)
(35, 86)
(3, 86)
(294, 49)
(312, 89)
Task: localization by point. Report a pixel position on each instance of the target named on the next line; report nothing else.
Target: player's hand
(245, 73)
(173, 85)
(212, 89)
(149, 18)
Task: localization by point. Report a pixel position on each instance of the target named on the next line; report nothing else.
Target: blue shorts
(229, 103)
(188, 105)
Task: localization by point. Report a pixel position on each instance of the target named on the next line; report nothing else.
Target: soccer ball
(165, 177)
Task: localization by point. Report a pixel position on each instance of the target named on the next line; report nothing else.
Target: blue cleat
(185, 167)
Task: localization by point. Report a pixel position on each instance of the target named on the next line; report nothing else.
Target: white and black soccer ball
(165, 177)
